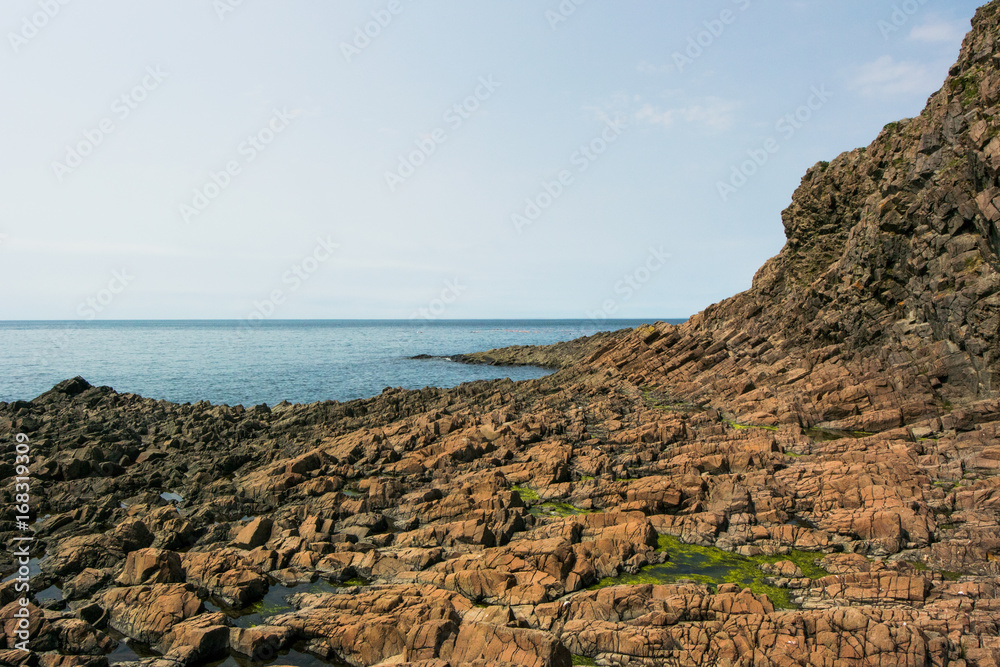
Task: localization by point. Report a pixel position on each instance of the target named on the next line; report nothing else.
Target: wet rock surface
(805, 474)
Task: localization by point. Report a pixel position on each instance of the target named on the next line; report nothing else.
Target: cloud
(646, 67)
(90, 248)
(937, 31)
(710, 113)
(886, 77)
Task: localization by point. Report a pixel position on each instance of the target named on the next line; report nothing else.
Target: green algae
(267, 608)
(527, 495)
(583, 660)
(557, 509)
(824, 435)
(660, 400)
(829, 435)
(808, 562)
(274, 602)
(354, 581)
(554, 508)
(712, 566)
(743, 427)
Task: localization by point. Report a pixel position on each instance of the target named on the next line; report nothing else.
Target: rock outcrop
(803, 474)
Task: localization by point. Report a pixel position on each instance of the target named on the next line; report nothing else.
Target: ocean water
(299, 361)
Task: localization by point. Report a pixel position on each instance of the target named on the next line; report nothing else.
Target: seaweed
(713, 566)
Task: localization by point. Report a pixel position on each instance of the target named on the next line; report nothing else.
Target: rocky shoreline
(555, 356)
(803, 474)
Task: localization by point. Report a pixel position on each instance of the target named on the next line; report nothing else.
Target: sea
(300, 361)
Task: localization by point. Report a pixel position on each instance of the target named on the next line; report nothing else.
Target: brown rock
(147, 613)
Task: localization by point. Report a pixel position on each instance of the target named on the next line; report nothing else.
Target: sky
(287, 159)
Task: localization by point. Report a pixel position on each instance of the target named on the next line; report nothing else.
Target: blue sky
(524, 158)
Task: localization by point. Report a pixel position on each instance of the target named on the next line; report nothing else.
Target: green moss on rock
(527, 495)
(712, 566)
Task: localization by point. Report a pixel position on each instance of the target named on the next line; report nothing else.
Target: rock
(92, 613)
(78, 637)
(225, 575)
(197, 639)
(255, 534)
(86, 584)
(261, 643)
(495, 644)
(17, 658)
(41, 634)
(784, 568)
(151, 566)
(147, 613)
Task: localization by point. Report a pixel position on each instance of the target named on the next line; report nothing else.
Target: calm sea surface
(298, 361)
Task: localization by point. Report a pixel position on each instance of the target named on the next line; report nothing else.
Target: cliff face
(895, 246)
(890, 270)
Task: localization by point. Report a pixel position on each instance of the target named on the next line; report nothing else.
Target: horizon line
(359, 319)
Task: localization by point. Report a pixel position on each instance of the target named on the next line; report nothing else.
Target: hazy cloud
(936, 31)
(886, 77)
(647, 67)
(710, 113)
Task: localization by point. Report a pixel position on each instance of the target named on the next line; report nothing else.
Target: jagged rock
(86, 584)
(77, 637)
(151, 566)
(198, 639)
(261, 643)
(147, 613)
(225, 575)
(831, 434)
(255, 534)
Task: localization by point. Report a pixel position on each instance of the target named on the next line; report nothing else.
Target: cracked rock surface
(803, 474)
